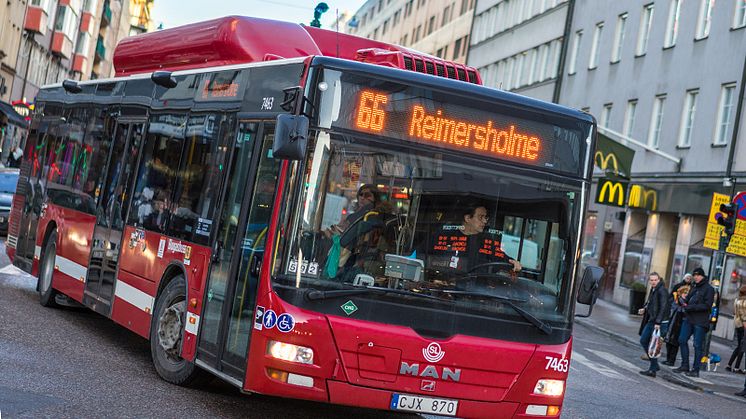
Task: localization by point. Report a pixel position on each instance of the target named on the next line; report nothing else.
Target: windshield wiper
(314, 294)
(510, 302)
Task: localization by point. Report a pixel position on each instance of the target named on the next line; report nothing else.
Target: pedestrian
(697, 307)
(677, 316)
(739, 321)
(685, 281)
(656, 311)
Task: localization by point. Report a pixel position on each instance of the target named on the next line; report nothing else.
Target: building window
(687, 118)
(645, 22)
(704, 19)
(446, 16)
(606, 115)
(629, 118)
(621, 23)
(457, 48)
(725, 113)
(464, 6)
(431, 25)
(672, 26)
(534, 77)
(654, 133)
(408, 8)
(739, 16)
(574, 52)
(404, 39)
(595, 50)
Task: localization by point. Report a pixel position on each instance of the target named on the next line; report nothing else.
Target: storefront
(13, 130)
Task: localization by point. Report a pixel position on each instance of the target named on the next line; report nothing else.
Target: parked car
(8, 182)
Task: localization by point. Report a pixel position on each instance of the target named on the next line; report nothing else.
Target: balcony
(80, 62)
(106, 15)
(36, 20)
(86, 22)
(62, 46)
(100, 49)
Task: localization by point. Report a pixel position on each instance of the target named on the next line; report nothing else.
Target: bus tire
(167, 333)
(46, 272)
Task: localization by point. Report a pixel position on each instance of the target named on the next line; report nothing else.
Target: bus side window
(157, 177)
(197, 180)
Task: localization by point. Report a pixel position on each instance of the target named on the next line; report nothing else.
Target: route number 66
(557, 364)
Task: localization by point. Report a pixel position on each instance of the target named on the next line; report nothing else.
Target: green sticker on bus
(349, 307)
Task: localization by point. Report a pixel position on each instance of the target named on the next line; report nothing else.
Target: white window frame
(629, 118)
(688, 113)
(672, 25)
(621, 23)
(606, 115)
(656, 121)
(739, 14)
(725, 116)
(574, 52)
(704, 19)
(646, 22)
(595, 44)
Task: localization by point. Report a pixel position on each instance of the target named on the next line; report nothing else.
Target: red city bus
(314, 215)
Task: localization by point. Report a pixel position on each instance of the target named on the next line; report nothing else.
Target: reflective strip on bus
(12, 242)
(192, 323)
(134, 296)
(70, 268)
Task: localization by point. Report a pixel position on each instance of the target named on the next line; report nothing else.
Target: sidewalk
(615, 322)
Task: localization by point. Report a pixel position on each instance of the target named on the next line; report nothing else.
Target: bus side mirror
(589, 285)
(291, 136)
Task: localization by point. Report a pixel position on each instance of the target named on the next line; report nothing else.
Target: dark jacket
(658, 306)
(699, 303)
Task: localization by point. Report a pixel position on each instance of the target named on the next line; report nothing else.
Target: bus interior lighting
(290, 352)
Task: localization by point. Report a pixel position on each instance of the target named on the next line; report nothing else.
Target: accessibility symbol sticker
(270, 319)
(285, 323)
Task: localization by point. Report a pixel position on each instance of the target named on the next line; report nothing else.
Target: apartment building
(435, 27)
(517, 45)
(12, 14)
(664, 77)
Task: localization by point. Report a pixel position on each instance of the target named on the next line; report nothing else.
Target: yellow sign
(712, 236)
(611, 192)
(737, 244)
(642, 197)
(717, 199)
(603, 162)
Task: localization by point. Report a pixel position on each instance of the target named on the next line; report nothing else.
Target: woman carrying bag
(739, 321)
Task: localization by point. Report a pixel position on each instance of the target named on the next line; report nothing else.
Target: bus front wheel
(46, 272)
(166, 336)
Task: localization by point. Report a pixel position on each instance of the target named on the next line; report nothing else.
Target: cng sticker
(349, 307)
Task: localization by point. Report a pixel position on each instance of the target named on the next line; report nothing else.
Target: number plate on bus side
(424, 404)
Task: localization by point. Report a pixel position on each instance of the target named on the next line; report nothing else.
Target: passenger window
(198, 179)
(97, 146)
(153, 197)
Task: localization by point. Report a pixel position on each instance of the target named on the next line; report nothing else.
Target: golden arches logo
(615, 190)
(641, 197)
(603, 162)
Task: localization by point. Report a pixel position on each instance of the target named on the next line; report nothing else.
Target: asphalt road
(67, 363)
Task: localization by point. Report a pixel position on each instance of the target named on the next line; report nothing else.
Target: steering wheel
(507, 265)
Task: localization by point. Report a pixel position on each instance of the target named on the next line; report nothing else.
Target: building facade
(12, 14)
(435, 27)
(628, 63)
(517, 45)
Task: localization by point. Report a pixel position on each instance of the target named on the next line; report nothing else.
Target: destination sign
(434, 119)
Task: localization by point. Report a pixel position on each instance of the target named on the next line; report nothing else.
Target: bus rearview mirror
(589, 285)
(291, 136)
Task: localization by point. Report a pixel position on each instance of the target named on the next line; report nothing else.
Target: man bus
(189, 200)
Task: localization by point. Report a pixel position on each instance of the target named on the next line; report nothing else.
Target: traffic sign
(740, 200)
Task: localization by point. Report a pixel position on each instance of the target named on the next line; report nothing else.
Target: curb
(668, 377)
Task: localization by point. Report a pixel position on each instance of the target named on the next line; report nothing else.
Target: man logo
(611, 192)
(603, 162)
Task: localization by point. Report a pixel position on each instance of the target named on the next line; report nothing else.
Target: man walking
(656, 312)
(696, 306)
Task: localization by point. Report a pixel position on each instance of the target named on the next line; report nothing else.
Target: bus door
(111, 211)
(248, 193)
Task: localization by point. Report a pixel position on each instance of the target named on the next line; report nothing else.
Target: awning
(13, 116)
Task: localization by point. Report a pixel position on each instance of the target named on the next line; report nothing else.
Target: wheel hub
(169, 329)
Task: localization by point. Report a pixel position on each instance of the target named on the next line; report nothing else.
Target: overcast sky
(173, 13)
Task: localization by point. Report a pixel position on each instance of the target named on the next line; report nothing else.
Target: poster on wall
(677, 270)
(647, 252)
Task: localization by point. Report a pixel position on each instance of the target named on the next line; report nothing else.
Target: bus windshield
(440, 242)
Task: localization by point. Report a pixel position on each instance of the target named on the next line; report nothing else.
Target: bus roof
(241, 39)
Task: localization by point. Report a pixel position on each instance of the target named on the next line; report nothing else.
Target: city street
(74, 363)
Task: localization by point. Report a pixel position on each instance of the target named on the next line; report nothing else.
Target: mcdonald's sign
(602, 162)
(613, 157)
(611, 192)
(643, 197)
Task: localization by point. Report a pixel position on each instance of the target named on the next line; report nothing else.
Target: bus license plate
(424, 404)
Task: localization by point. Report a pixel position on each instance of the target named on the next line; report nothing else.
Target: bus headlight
(549, 387)
(290, 352)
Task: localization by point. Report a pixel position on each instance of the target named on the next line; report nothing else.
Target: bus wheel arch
(167, 330)
(47, 262)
